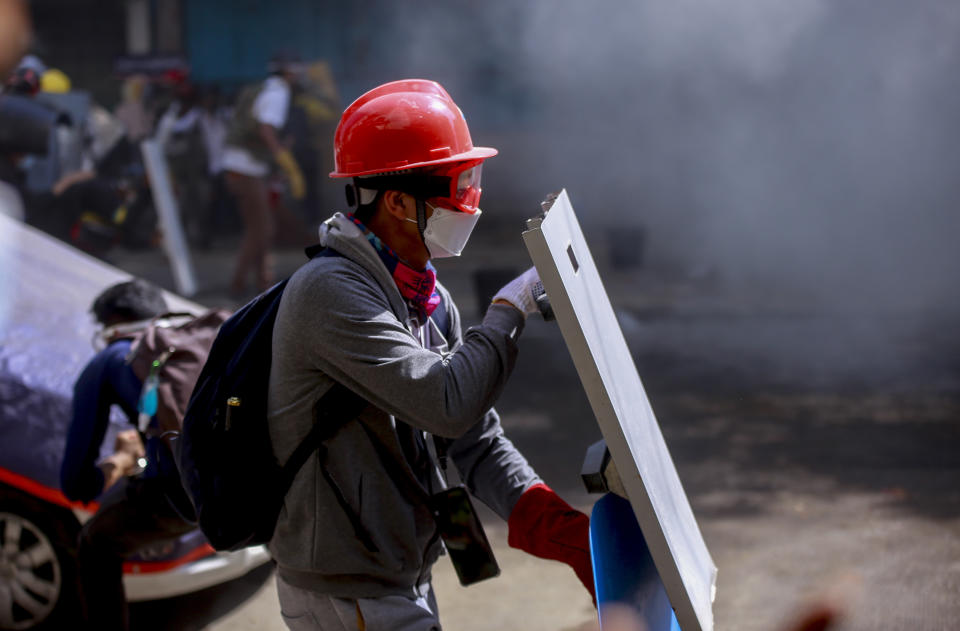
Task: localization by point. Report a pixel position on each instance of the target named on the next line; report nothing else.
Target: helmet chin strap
(421, 215)
(422, 221)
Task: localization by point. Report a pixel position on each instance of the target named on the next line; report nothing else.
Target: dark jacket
(107, 380)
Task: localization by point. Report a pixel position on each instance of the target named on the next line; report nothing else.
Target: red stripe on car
(46, 493)
(148, 567)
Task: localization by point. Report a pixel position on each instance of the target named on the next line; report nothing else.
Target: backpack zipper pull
(147, 405)
(232, 404)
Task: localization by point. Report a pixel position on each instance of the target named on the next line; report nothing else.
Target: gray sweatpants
(305, 610)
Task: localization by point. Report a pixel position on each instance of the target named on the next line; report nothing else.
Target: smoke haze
(801, 144)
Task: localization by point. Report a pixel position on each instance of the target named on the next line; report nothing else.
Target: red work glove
(547, 527)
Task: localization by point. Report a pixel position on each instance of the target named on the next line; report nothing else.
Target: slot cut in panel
(573, 259)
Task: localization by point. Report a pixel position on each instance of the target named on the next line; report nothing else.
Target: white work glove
(519, 292)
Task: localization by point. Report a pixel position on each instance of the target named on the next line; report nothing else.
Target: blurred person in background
(33, 132)
(21, 81)
(82, 181)
(214, 123)
(253, 148)
(25, 78)
(180, 135)
(132, 111)
(314, 114)
(15, 33)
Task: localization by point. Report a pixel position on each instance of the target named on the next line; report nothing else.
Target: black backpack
(225, 457)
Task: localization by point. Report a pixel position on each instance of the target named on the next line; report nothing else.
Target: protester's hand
(128, 442)
(117, 465)
(125, 459)
(286, 161)
(519, 292)
(544, 525)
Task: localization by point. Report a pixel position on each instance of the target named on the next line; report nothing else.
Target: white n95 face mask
(447, 231)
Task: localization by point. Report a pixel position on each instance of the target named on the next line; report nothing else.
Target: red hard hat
(402, 125)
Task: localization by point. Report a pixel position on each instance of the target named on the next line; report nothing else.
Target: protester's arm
(491, 466)
(70, 179)
(341, 319)
(106, 380)
(539, 521)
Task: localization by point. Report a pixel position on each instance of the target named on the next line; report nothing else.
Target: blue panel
(623, 570)
(231, 41)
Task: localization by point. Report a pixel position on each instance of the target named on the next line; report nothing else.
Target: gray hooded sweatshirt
(342, 318)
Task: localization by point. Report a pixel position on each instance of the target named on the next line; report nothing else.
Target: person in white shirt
(252, 148)
(214, 123)
(132, 111)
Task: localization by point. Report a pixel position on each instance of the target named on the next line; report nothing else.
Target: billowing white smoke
(805, 145)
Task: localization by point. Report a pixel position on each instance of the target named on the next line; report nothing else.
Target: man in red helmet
(359, 530)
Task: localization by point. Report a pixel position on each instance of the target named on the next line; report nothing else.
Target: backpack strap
(314, 250)
(338, 406)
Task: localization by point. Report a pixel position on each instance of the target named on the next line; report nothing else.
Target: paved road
(817, 449)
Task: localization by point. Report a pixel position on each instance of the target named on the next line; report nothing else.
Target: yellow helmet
(54, 80)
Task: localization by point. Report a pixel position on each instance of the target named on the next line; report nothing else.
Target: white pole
(174, 242)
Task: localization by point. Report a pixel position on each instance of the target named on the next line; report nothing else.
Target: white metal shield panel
(168, 213)
(609, 376)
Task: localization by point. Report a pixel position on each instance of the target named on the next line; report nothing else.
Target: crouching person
(134, 510)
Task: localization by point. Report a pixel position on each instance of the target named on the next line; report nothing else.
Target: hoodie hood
(342, 235)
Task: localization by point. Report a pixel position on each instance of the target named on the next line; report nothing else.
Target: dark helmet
(25, 81)
(285, 62)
